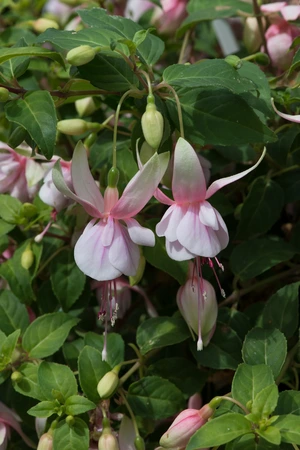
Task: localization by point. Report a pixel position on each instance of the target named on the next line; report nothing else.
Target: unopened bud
(252, 37)
(16, 376)
(27, 258)
(76, 127)
(139, 443)
(234, 61)
(152, 124)
(28, 210)
(81, 55)
(42, 24)
(70, 420)
(17, 137)
(45, 442)
(109, 383)
(15, 356)
(90, 140)
(108, 440)
(113, 177)
(4, 94)
(85, 106)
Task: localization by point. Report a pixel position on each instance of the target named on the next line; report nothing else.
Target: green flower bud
(108, 440)
(139, 443)
(85, 106)
(152, 124)
(27, 258)
(70, 420)
(109, 383)
(81, 55)
(16, 376)
(43, 24)
(28, 210)
(113, 177)
(234, 61)
(251, 35)
(76, 127)
(17, 137)
(4, 94)
(15, 355)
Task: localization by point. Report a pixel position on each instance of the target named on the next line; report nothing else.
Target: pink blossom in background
(281, 33)
(10, 420)
(52, 196)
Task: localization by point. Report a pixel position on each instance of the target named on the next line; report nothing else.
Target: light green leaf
(8, 53)
(47, 333)
(271, 434)
(91, 369)
(265, 401)
(248, 381)
(29, 385)
(7, 348)
(56, 378)
(5, 227)
(114, 344)
(43, 409)
(76, 404)
(289, 427)
(36, 113)
(71, 436)
(10, 208)
(13, 314)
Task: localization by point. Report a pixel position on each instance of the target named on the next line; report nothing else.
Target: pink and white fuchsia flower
(109, 244)
(8, 420)
(48, 192)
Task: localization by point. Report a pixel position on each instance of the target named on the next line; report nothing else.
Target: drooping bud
(45, 442)
(4, 94)
(76, 127)
(85, 106)
(108, 440)
(42, 24)
(139, 443)
(252, 37)
(198, 303)
(113, 177)
(27, 258)
(183, 427)
(81, 55)
(234, 61)
(109, 383)
(152, 124)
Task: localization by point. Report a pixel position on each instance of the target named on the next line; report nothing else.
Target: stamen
(211, 265)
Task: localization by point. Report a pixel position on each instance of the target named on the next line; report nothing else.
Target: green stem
(50, 259)
(295, 446)
(179, 110)
(132, 416)
(287, 169)
(183, 47)
(128, 374)
(148, 81)
(236, 402)
(258, 16)
(288, 360)
(131, 91)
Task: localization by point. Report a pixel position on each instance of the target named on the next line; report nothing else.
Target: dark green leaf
(289, 427)
(8, 53)
(288, 403)
(249, 381)
(290, 183)
(5, 227)
(237, 320)
(76, 404)
(13, 314)
(296, 61)
(91, 370)
(71, 352)
(248, 442)
(29, 385)
(71, 436)
(114, 346)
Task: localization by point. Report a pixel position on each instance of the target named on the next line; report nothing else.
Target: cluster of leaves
(50, 366)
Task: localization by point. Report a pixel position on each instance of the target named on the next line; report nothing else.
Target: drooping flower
(8, 420)
(191, 226)
(290, 117)
(52, 196)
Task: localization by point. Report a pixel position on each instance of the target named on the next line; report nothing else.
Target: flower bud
(45, 442)
(81, 55)
(4, 94)
(109, 383)
(43, 24)
(90, 140)
(234, 61)
(76, 127)
(28, 210)
(183, 427)
(108, 440)
(203, 319)
(251, 35)
(85, 106)
(152, 124)
(139, 443)
(27, 258)
(16, 376)
(113, 177)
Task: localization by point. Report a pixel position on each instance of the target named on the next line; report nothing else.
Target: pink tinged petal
(141, 187)
(208, 216)
(196, 237)
(3, 432)
(162, 198)
(61, 185)
(127, 434)
(124, 254)
(290, 12)
(279, 50)
(9, 419)
(222, 232)
(290, 117)
(218, 184)
(138, 234)
(188, 184)
(34, 172)
(108, 232)
(92, 257)
(83, 182)
(177, 252)
(273, 7)
(168, 225)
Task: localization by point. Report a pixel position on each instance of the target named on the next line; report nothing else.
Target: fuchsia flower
(8, 420)
(109, 244)
(281, 33)
(191, 226)
(48, 192)
(290, 117)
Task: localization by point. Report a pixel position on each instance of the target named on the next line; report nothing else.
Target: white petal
(208, 216)
(138, 234)
(124, 254)
(177, 252)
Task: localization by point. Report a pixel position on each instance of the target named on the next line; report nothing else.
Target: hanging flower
(8, 420)
(48, 192)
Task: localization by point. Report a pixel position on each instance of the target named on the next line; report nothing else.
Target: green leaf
(154, 398)
(254, 257)
(219, 431)
(10, 208)
(248, 442)
(7, 348)
(91, 369)
(271, 434)
(43, 409)
(223, 351)
(265, 347)
(261, 209)
(8, 53)
(237, 320)
(181, 372)
(265, 401)
(224, 118)
(13, 315)
(289, 427)
(71, 352)
(71, 436)
(67, 279)
(288, 403)
(36, 113)
(249, 381)
(160, 332)
(296, 62)
(114, 344)
(290, 183)
(76, 404)
(56, 378)
(282, 310)
(29, 385)
(5, 227)
(47, 333)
